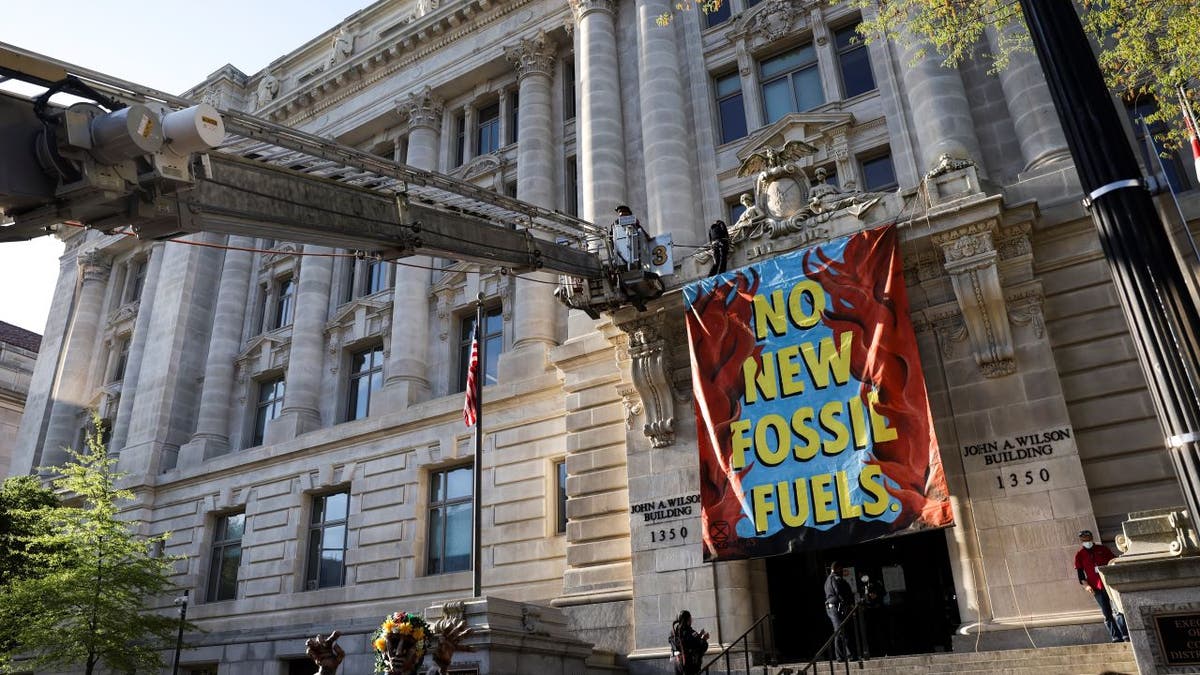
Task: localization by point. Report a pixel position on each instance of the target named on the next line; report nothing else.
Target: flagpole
(477, 493)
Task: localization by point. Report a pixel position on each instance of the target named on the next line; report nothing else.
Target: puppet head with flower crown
(400, 643)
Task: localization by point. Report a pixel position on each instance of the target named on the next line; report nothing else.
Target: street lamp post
(1162, 317)
(182, 601)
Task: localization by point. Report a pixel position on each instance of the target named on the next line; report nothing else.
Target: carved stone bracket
(1025, 309)
(971, 259)
(651, 377)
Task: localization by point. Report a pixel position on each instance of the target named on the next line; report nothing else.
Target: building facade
(292, 414)
(18, 352)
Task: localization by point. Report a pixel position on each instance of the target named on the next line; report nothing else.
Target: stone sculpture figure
(268, 89)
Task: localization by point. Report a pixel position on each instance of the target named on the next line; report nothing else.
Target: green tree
(23, 501)
(87, 607)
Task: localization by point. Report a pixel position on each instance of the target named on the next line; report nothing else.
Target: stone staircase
(1073, 660)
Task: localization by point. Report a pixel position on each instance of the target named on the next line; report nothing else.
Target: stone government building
(295, 420)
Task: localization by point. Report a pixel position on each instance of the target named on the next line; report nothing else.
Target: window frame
(257, 434)
(560, 496)
(812, 64)
(719, 99)
(284, 311)
(440, 476)
(216, 561)
(490, 125)
(353, 376)
(841, 51)
(316, 535)
(495, 338)
(863, 160)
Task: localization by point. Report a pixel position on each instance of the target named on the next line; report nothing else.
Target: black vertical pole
(477, 493)
(1163, 321)
(183, 603)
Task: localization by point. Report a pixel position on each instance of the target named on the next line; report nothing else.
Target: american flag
(469, 405)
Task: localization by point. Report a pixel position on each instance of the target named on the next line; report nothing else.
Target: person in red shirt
(1090, 556)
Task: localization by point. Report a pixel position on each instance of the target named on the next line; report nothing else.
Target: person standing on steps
(839, 600)
(687, 645)
(1090, 556)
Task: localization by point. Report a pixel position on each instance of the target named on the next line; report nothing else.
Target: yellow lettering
(812, 440)
(858, 422)
(879, 425)
(739, 442)
(847, 508)
(768, 455)
(793, 504)
(806, 317)
(769, 313)
(760, 379)
(761, 495)
(822, 498)
(830, 422)
(827, 362)
(870, 479)
(789, 370)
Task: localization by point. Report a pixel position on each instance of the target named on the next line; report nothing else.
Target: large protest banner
(813, 420)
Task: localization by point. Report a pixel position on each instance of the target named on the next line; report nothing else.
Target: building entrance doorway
(916, 609)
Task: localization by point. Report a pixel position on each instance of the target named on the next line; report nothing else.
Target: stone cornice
(397, 53)
(532, 56)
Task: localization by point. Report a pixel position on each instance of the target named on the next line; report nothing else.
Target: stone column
(1029, 104)
(940, 111)
(306, 358)
(670, 171)
(406, 378)
(71, 395)
(212, 424)
(751, 92)
(470, 148)
(141, 328)
(601, 135)
(534, 307)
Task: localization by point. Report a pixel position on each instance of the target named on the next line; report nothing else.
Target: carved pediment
(268, 351)
(280, 254)
(357, 320)
(480, 166)
(769, 21)
(816, 129)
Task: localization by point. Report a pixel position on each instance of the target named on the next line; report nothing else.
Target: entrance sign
(1178, 638)
(813, 422)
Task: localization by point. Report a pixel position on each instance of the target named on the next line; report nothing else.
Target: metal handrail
(827, 647)
(745, 646)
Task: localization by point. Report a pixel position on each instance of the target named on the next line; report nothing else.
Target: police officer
(839, 600)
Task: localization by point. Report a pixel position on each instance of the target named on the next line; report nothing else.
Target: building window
(491, 343)
(450, 520)
(285, 302)
(270, 404)
(791, 83)
(1172, 164)
(514, 109)
(226, 557)
(487, 138)
(136, 280)
(327, 541)
(568, 90)
(853, 61)
(719, 15)
(736, 209)
(366, 376)
(460, 139)
(730, 108)
(560, 501)
(120, 361)
(365, 277)
(878, 173)
(571, 187)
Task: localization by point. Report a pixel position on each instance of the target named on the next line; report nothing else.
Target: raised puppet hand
(325, 652)
(450, 632)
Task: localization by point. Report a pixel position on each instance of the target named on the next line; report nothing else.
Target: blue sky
(169, 45)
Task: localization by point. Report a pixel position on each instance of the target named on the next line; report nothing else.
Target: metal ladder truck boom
(161, 166)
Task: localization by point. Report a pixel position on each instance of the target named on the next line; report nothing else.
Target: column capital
(532, 56)
(422, 108)
(93, 265)
(582, 8)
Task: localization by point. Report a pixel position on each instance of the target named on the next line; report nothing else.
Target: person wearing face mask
(1090, 556)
